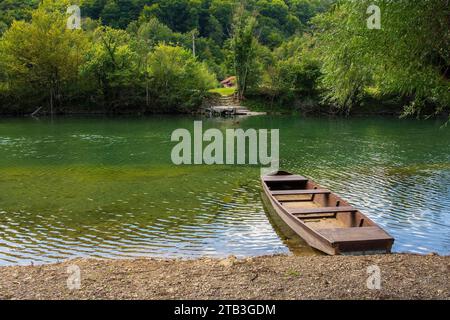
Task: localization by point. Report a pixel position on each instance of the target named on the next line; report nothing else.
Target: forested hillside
(151, 56)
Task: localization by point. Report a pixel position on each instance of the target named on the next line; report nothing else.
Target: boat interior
(317, 208)
(322, 211)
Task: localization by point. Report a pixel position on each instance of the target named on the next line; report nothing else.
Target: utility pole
(194, 34)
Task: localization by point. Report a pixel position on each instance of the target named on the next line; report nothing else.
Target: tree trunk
(147, 95)
(51, 100)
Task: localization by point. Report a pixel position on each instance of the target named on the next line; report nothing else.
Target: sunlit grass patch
(224, 91)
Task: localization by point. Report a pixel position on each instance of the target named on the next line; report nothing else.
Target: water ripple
(99, 188)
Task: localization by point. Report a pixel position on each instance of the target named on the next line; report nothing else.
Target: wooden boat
(324, 220)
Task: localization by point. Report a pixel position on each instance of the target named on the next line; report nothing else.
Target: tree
(295, 70)
(113, 62)
(178, 82)
(178, 15)
(272, 17)
(221, 12)
(305, 10)
(407, 57)
(244, 44)
(11, 10)
(120, 13)
(42, 56)
(152, 32)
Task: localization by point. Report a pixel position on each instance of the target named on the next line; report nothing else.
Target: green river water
(106, 187)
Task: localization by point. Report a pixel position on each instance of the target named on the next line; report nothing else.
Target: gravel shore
(273, 277)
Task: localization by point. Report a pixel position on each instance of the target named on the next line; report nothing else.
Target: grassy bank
(224, 92)
(273, 277)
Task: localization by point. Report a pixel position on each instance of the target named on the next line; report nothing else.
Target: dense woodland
(163, 56)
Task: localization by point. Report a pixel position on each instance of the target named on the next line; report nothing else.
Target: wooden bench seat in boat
(291, 178)
(300, 192)
(354, 234)
(321, 210)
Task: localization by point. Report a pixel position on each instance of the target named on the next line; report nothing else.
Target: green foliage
(409, 56)
(154, 32)
(120, 13)
(244, 48)
(113, 63)
(177, 80)
(305, 10)
(11, 10)
(40, 58)
(294, 72)
(137, 55)
(179, 15)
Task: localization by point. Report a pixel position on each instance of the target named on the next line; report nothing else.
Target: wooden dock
(227, 110)
(229, 106)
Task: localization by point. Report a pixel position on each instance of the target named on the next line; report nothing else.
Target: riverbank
(272, 277)
(256, 105)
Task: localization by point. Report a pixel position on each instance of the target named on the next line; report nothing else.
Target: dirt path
(278, 277)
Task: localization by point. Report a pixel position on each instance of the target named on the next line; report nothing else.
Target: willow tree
(42, 56)
(407, 56)
(244, 47)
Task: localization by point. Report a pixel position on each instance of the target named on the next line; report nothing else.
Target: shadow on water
(296, 244)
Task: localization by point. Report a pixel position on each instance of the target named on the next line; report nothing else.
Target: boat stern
(364, 247)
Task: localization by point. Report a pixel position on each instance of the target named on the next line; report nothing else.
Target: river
(106, 187)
